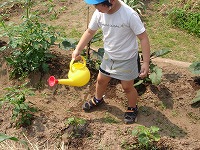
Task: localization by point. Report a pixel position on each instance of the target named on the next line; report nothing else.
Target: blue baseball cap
(93, 2)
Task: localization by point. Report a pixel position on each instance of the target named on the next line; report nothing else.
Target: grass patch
(184, 46)
(74, 33)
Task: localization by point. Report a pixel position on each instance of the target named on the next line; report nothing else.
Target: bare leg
(101, 85)
(130, 92)
(102, 82)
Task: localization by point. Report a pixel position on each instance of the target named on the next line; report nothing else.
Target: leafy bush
(29, 43)
(186, 20)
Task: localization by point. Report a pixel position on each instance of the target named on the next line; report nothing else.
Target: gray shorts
(121, 69)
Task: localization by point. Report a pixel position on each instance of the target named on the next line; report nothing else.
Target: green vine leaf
(156, 75)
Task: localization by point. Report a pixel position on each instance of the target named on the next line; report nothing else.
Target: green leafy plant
(146, 137)
(76, 124)
(197, 98)
(29, 43)
(22, 113)
(75, 121)
(155, 75)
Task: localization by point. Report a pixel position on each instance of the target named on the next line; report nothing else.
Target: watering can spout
(69, 82)
(52, 81)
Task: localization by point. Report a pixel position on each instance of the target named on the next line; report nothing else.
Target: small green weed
(22, 112)
(76, 124)
(175, 113)
(146, 137)
(75, 121)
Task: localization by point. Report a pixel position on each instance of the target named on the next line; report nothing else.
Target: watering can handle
(72, 61)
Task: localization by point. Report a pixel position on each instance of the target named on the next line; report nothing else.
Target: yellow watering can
(78, 75)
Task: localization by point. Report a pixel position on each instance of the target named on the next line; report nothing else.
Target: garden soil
(167, 106)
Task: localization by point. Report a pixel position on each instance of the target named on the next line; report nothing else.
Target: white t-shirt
(119, 31)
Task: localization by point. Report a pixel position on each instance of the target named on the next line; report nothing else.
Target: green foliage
(95, 60)
(76, 124)
(156, 72)
(155, 75)
(22, 113)
(186, 20)
(146, 136)
(4, 137)
(30, 42)
(51, 9)
(75, 121)
(137, 5)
